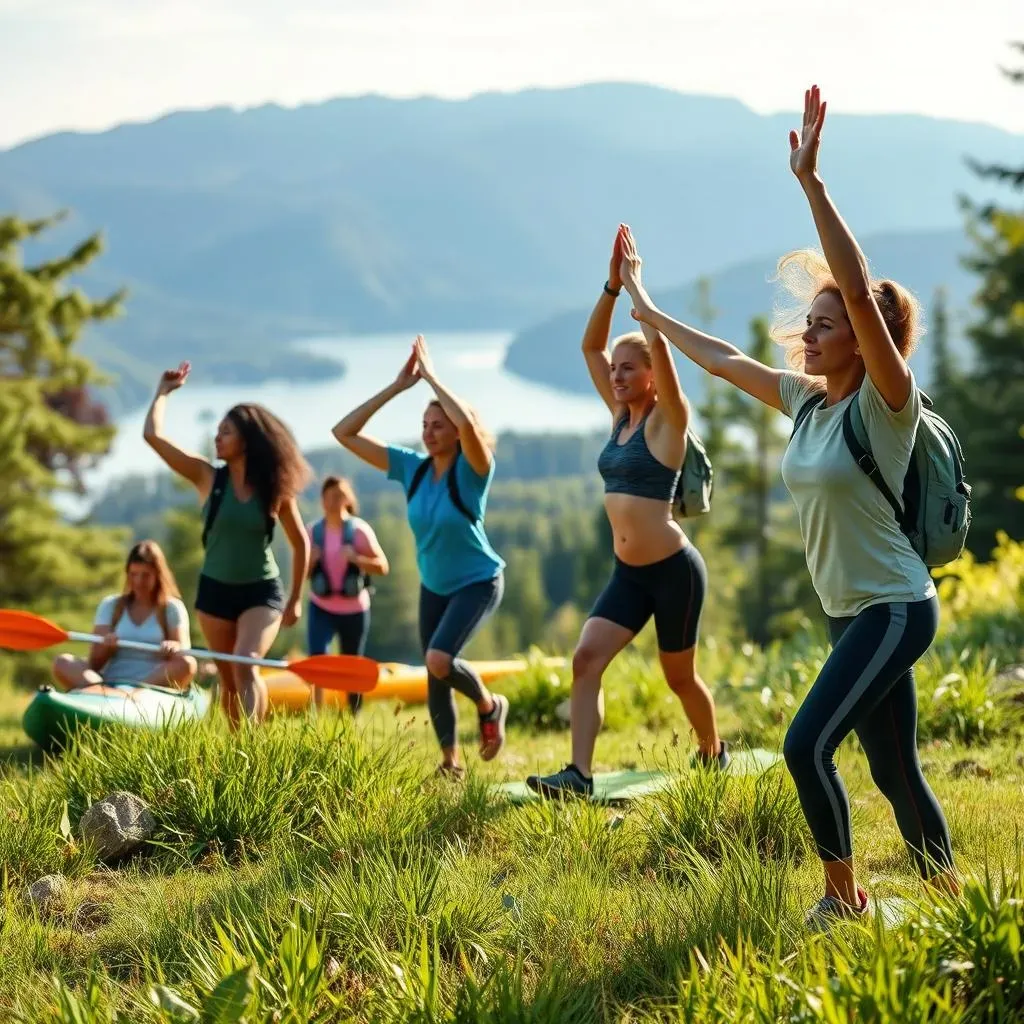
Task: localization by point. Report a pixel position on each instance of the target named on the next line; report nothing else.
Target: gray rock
(117, 825)
(48, 894)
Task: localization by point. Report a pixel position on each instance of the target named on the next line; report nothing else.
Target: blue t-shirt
(451, 552)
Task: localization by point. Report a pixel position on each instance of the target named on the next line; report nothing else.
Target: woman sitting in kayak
(149, 610)
(240, 602)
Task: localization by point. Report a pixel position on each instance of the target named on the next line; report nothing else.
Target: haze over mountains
(237, 232)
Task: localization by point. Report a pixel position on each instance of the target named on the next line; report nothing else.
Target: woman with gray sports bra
(658, 572)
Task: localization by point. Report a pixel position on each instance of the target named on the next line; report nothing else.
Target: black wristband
(608, 291)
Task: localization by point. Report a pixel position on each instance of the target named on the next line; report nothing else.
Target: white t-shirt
(856, 552)
(134, 666)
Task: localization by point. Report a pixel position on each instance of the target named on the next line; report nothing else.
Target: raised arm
(671, 400)
(194, 468)
(348, 431)
(598, 333)
(471, 435)
(298, 540)
(883, 363)
(714, 355)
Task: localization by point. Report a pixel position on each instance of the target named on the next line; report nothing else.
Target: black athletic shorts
(671, 590)
(228, 600)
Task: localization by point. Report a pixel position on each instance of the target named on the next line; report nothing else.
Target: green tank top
(236, 548)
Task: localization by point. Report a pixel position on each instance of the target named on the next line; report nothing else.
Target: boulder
(48, 894)
(117, 825)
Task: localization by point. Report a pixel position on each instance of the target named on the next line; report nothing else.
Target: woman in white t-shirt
(877, 594)
(149, 610)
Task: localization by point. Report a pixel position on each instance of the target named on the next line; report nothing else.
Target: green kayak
(53, 714)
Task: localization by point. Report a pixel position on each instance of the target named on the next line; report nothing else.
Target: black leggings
(351, 630)
(447, 623)
(867, 686)
(672, 590)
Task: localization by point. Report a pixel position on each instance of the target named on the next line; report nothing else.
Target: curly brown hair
(805, 275)
(275, 467)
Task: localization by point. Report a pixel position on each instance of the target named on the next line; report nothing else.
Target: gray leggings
(867, 686)
(447, 623)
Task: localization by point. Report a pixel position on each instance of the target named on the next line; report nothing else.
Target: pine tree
(713, 411)
(50, 427)
(944, 367)
(991, 396)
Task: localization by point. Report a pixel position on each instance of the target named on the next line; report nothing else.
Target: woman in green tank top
(240, 601)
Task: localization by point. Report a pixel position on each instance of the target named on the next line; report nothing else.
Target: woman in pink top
(345, 551)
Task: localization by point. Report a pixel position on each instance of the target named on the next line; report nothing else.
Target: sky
(91, 64)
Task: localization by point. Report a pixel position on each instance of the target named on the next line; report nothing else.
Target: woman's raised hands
(803, 147)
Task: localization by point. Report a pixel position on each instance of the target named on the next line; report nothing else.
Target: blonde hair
(805, 275)
(638, 341)
(485, 435)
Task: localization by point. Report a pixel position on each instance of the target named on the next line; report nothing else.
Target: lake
(468, 363)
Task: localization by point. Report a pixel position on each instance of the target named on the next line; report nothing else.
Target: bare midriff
(643, 529)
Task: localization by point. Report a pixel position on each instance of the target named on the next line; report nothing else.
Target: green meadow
(316, 870)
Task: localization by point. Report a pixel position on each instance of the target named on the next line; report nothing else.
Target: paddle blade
(349, 672)
(23, 631)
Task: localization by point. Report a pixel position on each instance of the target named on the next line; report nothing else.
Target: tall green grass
(314, 870)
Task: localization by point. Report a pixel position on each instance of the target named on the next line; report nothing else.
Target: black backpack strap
(805, 410)
(453, 486)
(866, 461)
(417, 478)
(220, 479)
(453, 490)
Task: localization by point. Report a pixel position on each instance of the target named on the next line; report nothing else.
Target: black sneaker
(492, 728)
(569, 782)
(719, 761)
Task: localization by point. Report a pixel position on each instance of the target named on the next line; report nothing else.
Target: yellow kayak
(407, 683)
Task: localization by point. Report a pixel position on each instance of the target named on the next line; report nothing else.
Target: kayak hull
(53, 715)
(406, 683)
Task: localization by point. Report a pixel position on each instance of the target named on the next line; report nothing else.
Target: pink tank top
(335, 565)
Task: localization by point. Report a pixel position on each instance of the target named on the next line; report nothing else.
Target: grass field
(316, 871)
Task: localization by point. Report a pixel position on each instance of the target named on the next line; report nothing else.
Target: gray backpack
(935, 511)
(696, 481)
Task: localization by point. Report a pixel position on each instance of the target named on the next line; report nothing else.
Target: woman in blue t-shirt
(460, 573)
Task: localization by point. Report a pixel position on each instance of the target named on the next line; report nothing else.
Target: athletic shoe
(569, 782)
(830, 909)
(492, 728)
(720, 760)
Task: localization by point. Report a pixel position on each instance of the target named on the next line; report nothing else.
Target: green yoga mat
(621, 787)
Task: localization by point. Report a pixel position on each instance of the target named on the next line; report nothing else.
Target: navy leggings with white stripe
(867, 686)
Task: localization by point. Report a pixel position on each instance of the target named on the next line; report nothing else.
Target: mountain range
(237, 232)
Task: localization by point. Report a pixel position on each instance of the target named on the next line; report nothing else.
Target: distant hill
(240, 231)
(922, 260)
